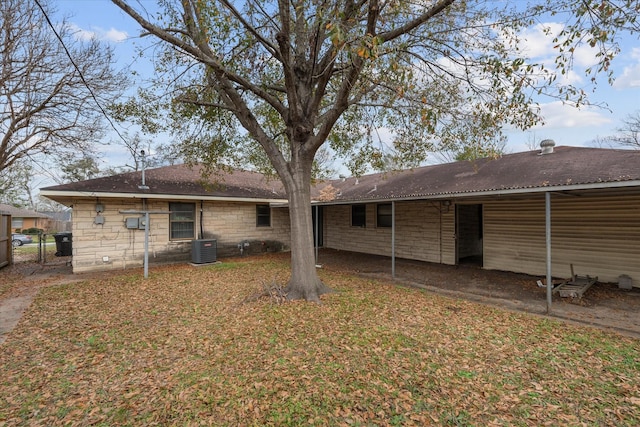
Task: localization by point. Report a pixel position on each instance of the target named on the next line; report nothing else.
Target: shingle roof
(20, 213)
(526, 171)
(564, 167)
(181, 180)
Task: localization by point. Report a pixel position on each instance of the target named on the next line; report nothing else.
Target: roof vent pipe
(546, 146)
(143, 162)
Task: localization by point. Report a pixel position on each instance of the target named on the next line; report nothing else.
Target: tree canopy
(51, 86)
(629, 133)
(272, 82)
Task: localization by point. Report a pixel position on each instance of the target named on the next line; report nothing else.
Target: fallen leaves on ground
(184, 347)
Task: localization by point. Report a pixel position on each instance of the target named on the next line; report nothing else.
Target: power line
(104, 113)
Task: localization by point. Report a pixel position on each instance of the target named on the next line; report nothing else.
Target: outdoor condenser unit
(203, 251)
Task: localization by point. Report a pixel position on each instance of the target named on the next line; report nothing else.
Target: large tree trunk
(304, 282)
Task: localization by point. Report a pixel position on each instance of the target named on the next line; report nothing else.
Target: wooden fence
(5, 239)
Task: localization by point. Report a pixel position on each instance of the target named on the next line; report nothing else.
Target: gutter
(83, 194)
(413, 197)
(485, 193)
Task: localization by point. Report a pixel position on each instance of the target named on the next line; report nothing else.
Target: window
(263, 216)
(16, 222)
(358, 215)
(383, 218)
(182, 220)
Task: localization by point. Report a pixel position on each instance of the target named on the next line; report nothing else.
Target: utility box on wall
(136, 223)
(203, 251)
(142, 221)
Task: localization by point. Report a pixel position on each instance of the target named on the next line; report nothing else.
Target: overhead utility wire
(104, 113)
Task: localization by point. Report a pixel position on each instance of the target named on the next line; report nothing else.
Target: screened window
(383, 218)
(358, 215)
(182, 220)
(263, 216)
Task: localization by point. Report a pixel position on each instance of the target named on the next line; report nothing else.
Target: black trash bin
(63, 244)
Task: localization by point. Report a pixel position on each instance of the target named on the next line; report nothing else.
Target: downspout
(201, 217)
(547, 198)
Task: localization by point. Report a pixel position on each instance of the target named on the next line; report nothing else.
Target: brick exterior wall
(111, 245)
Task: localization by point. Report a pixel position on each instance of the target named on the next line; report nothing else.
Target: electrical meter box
(134, 223)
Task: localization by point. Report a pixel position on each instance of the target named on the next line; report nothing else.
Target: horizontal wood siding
(417, 231)
(600, 236)
(449, 236)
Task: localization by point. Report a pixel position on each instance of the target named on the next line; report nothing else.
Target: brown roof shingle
(526, 171)
(566, 166)
(20, 213)
(182, 180)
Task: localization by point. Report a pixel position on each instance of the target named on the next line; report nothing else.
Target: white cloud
(537, 41)
(585, 55)
(558, 115)
(115, 35)
(111, 35)
(81, 34)
(630, 77)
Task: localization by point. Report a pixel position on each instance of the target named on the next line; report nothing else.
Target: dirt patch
(604, 305)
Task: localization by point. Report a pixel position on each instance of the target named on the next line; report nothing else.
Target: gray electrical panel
(131, 223)
(134, 223)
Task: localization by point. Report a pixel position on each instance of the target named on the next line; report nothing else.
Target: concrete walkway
(35, 277)
(11, 310)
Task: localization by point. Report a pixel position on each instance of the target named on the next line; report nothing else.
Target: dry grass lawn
(184, 347)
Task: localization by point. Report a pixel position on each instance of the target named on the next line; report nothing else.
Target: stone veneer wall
(233, 224)
(112, 246)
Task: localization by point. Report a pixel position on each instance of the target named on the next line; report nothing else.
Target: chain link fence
(45, 249)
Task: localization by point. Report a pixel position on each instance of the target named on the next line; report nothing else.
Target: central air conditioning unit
(203, 251)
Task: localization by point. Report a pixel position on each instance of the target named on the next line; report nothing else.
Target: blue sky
(564, 124)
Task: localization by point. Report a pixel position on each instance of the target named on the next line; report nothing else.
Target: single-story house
(575, 206)
(23, 219)
(233, 208)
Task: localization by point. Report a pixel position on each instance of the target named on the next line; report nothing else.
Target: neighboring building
(23, 219)
(60, 220)
(492, 212)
